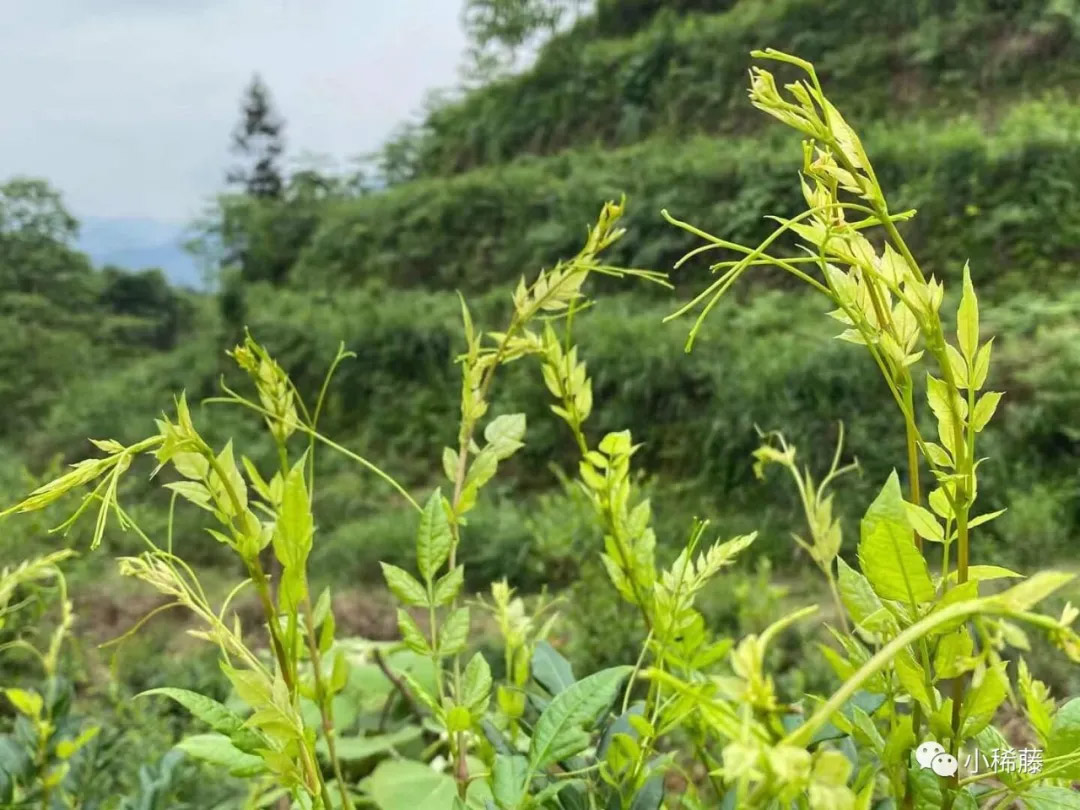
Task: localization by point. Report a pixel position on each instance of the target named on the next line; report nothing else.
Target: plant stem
(325, 706)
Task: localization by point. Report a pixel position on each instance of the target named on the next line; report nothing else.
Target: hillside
(969, 112)
(988, 153)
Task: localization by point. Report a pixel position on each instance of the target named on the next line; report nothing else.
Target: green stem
(325, 705)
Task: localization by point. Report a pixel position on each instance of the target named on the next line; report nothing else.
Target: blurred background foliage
(968, 110)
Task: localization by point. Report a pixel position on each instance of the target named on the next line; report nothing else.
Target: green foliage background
(968, 108)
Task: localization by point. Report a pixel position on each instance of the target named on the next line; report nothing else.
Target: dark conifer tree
(258, 139)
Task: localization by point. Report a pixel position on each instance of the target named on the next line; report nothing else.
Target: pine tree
(258, 138)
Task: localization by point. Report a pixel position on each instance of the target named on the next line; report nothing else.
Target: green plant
(40, 754)
(920, 653)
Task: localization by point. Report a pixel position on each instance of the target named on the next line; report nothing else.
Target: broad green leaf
(1065, 735)
(233, 486)
(558, 733)
(504, 434)
(433, 538)
(219, 717)
(982, 702)
(401, 784)
(925, 789)
(1046, 797)
(912, 677)
(354, 749)
(193, 492)
(952, 649)
(651, 795)
(860, 600)
(216, 749)
(550, 669)
(900, 742)
(508, 779)
(292, 533)
(887, 553)
(404, 586)
(864, 724)
(967, 319)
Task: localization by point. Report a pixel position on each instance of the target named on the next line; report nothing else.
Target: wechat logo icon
(933, 756)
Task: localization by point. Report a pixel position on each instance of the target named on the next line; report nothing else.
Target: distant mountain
(136, 243)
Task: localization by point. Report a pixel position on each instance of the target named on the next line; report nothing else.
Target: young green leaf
(967, 318)
(887, 552)
(293, 531)
(476, 684)
(981, 703)
(404, 586)
(448, 586)
(984, 409)
(433, 538)
(411, 633)
(505, 433)
(454, 633)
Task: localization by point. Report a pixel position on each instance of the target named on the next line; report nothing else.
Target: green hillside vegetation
(968, 107)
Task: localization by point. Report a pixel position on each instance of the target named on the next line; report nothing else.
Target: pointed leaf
(558, 733)
(887, 552)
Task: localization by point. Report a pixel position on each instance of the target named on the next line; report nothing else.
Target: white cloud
(127, 108)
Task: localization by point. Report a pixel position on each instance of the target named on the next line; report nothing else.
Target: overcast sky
(127, 106)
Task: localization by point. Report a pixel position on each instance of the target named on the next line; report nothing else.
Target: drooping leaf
(219, 717)
(216, 749)
(1033, 590)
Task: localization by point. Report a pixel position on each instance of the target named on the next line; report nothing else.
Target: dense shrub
(685, 74)
(486, 227)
